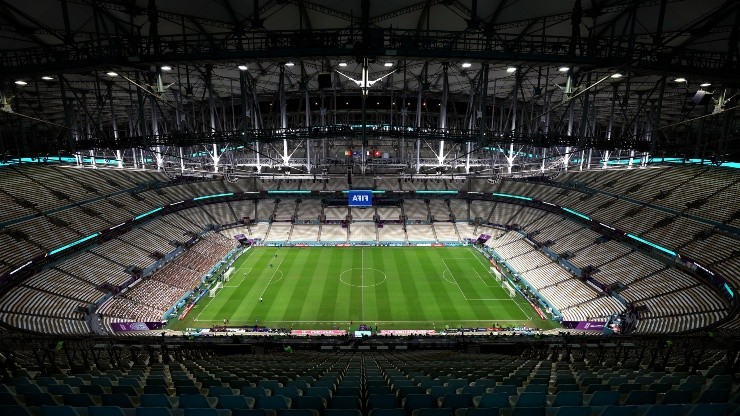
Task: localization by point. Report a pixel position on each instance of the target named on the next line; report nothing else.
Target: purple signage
(135, 326)
(584, 325)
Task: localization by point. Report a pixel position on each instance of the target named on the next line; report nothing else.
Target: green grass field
(391, 287)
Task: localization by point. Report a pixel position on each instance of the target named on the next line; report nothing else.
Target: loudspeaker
(702, 97)
(324, 80)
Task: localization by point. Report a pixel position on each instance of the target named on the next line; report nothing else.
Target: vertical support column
(256, 119)
(658, 109)
(483, 105)
(88, 132)
(404, 116)
(244, 100)
(308, 125)
(178, 124)
(215, 156)
(442, 122)
(544, 156)
(514, 110)
(419, 106)
(155, 133)
(283, 112)
(142, 122)
(323, 111)
(114, 124)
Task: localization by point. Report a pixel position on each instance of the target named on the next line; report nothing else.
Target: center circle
(362, 277)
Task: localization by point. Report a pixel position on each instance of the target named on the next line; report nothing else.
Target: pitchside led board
(360, 198)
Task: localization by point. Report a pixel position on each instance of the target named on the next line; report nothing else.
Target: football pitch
(342, 287)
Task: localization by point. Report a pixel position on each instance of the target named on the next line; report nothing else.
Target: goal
(212, 292)
(512, 291)
(228, 274)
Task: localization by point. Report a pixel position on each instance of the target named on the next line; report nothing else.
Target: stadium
(369, 208)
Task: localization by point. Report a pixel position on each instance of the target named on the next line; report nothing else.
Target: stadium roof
(544, 73)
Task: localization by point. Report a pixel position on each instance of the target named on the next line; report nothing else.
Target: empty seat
(253, 391)
(230, 401)
(345, 402)
(639, 397)
(153, 411)
(40, 399)
(78, 400)
(528, 411)
(214, 391)
(58, 411)
(272, 402)
(612, 410)
(125, 389)
(287, 392)
(28, 389)
(387, 412)
(664, 410)
(207, 412)
(117, 399)
(196, 401)
(419, 401)
(155, 400)
(105, 411)
(505, 388)
(309, 402)
(298, 412)
(492, 400)
(456, 401)
(567, 398)
(381, 401)
(475, 411)
(531, 400)
(714, 396)
(342, 412)
(322, 392)
(604, 398)
(9, 399)
(434, 411)
(573, 411)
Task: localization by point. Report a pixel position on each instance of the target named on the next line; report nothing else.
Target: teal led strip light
(72, 244)
(653, 245)
(576, 213)
(213, 196)
(513, 196)
(146, 214)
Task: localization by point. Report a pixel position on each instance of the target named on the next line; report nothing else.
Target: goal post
(228, 274)
(510, 288)
(496, 273)
(214, 289)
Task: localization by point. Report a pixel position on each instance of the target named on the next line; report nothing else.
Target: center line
(362, 284)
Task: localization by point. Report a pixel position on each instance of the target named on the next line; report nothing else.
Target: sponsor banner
(185, 312)
(460, 330)
(135, 326)
(584, 325)
(330, 332)
(403, 332)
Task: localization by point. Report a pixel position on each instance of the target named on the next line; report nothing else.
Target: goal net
(496, 273)
(212, 292)
(512, 291)
(228, 274)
